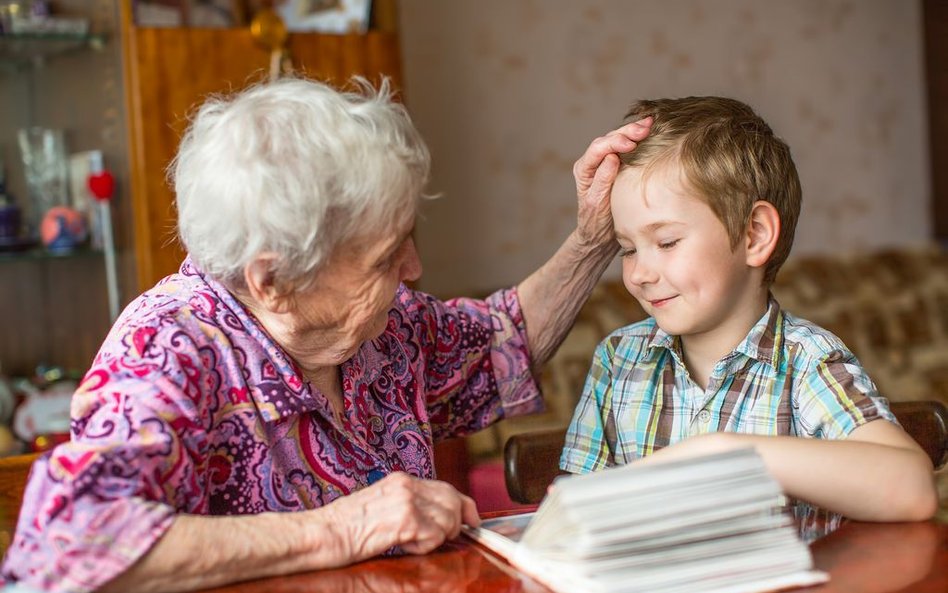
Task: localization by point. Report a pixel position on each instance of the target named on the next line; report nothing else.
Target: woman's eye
(626, 252)
(668, 244)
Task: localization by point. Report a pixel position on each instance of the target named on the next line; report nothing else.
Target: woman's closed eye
(384, 264)
(623, 252)
(668, 244)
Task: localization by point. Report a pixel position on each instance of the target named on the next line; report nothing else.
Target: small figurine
(63, 229)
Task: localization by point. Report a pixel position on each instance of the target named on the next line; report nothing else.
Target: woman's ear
(763, 230)
(262, 284)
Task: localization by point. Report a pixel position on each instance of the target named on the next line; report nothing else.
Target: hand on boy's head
(616, 142)
(596, 171)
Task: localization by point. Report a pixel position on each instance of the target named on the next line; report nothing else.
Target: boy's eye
(668, 244)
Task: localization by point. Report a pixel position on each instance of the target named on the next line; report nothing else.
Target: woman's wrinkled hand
(400, 510)
(595, 173)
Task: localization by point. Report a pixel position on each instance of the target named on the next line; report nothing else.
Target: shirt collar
(659, 339)
(275, 383)
(373, 357)
(763, 342)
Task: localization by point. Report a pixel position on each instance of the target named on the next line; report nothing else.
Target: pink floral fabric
(190, 407)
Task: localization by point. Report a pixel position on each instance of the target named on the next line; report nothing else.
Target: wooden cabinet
(169, 72)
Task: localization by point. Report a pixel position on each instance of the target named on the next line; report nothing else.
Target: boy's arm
(878, 473)
(853, 460)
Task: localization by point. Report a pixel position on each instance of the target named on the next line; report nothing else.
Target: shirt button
(704, 416)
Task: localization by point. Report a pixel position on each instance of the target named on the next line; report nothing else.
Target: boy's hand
(595, 173)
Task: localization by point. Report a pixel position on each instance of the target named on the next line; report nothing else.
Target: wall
(508, 93)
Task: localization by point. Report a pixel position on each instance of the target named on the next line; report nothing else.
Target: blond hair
(729, 156)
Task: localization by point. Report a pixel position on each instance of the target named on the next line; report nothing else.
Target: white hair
(296, 168)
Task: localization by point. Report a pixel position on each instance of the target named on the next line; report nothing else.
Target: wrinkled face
(677, 259)
(349, 301)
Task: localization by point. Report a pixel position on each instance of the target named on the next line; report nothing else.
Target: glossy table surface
(860, 558)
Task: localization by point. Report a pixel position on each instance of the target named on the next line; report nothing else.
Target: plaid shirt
(788, 377)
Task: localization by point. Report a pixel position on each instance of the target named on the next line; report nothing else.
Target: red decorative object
(102, 184)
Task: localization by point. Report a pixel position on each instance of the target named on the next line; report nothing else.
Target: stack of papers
(707, 524)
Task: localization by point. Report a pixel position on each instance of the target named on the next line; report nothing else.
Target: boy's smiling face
(677, 259)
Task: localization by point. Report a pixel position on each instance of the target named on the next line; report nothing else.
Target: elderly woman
(272, 407)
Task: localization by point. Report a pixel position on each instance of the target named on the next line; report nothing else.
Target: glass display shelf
(22, 49)
(36, 252)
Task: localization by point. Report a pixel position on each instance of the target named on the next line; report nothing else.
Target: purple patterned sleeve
(96, 504)
(190, 408)
(477, 361)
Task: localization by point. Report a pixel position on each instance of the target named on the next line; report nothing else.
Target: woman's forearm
(552, 296)
(199, 552)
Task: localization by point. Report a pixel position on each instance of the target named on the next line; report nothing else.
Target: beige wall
(509, 92)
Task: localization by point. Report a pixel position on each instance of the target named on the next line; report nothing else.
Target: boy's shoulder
(811, 340)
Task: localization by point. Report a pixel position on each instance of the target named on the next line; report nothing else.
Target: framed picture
(216, 13)
(194, 13)
(325, 16)
(160, 13)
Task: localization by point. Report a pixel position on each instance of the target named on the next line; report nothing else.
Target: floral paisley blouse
(190, 407)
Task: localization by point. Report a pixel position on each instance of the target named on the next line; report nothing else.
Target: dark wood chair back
(927, 423)
(531, 460)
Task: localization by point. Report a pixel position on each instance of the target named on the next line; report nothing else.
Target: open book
(707, 524)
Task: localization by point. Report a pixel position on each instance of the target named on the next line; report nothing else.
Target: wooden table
(860, 557)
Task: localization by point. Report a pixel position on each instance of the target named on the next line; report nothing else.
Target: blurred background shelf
(25, 49)
(35, 252)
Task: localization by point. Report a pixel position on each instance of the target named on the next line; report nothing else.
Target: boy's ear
(262, 284)
(763, 230)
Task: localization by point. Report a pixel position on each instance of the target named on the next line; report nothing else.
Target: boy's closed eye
(664, 245)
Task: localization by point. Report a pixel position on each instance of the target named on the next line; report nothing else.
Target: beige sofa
(890, 308)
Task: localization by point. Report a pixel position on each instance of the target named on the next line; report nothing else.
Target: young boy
(704, 210)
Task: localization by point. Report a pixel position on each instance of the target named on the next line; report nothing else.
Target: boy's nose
(642, 273)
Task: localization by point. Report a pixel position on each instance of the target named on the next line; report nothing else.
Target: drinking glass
(45, 170)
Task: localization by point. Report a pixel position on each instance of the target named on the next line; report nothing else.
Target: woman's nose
(411, 263)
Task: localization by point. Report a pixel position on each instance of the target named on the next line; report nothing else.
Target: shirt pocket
(768, 415)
